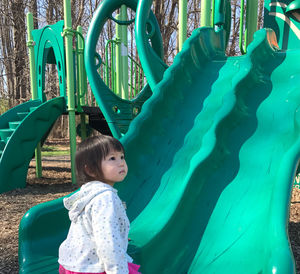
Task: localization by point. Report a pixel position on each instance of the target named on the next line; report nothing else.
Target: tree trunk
(7, 51)
(20, 51)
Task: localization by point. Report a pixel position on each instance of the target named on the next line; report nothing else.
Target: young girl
(98, 236)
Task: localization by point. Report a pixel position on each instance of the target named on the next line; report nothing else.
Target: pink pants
(133, 269)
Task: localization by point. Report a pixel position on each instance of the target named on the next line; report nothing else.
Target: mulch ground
(55, 183)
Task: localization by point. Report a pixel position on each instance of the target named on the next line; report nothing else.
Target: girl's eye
(122, 157)
(112, 158)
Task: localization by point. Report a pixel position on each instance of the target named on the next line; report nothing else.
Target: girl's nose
(121, 162)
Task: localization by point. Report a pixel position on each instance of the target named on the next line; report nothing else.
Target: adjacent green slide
(211, 159)
(21, 129)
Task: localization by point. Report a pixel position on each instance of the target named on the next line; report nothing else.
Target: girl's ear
(89, 172)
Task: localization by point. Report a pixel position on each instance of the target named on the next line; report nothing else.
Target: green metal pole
(118, 58)
(205, 20)
(131, 77)
(212, 21)
(124, 54)
(182, 23)
(139, 81)
(70, 84)
(106, 64)
(82, 85)
(30, 45)
(135, 77)
(242, 36)
(33, 87)
(251, 20)
(112, 67)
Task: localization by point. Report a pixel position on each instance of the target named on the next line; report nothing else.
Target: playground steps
(5, 133)
(21, 128)
(10, 121)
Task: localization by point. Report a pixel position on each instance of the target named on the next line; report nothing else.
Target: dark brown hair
(90, 154)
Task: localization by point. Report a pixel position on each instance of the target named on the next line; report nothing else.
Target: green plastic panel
(117, 112)
(211, 159)
(49, 49)
(19, 148)
(42, 243)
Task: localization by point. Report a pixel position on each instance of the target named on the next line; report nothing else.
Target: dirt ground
(55, 183)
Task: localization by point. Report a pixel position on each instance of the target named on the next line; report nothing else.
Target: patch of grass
(3, 105)
(54, 151)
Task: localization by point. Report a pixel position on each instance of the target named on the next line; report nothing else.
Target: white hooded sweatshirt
(98, 236)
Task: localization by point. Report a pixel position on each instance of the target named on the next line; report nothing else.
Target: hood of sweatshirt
(77, 202)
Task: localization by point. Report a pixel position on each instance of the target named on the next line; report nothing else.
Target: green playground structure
(212, 143)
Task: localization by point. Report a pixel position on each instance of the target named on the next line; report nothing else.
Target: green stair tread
(22, 115)
(6, 133)
(33, 108)
(13, 125)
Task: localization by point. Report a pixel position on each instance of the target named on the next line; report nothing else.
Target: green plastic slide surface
(211, 162)
(21, 128)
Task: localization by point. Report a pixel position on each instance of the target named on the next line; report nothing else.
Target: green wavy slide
(211, 160)
(21, 129)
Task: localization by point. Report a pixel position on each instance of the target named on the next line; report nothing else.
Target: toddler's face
(114, 167)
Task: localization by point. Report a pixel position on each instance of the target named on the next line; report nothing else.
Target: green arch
(49, 49)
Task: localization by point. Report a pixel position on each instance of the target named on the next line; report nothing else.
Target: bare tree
(20, 52)
(13, 53)
(7, 47)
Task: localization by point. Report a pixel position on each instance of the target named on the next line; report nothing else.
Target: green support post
(135, 78)
(112, 72)
(33, 88)
(68, 32)
(242, 44)
(131, 78)
(251, 20)
(82, 81)
(250, 23)
(124, 54)
(118, 58)
(182, 23)
(205, 13)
